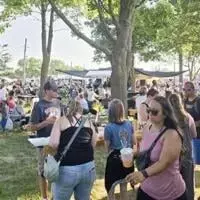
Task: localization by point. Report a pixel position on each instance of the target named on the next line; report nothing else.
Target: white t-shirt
(140, 99)
(101, 92)
(91, 95)
(84, 104)
(3, 93)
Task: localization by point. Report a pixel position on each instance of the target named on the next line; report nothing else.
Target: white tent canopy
(66, 76)
(98, 74)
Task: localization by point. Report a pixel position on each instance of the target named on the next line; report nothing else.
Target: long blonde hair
(179, 111)
(73, 107)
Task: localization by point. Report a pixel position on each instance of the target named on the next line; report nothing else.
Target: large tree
(116, 20)
(174, 33)
(46, 42)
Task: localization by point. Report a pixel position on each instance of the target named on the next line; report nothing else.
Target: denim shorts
(77, 179)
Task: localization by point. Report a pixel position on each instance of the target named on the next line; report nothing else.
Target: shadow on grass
(18, 169)
(100, 160)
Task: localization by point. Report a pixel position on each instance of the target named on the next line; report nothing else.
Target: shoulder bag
(143, 160)
(51, 165)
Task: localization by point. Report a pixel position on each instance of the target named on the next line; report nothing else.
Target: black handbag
(142, 159)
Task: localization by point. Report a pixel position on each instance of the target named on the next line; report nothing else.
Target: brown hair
(170, 120)
(72, 109)
(116, 111)
(179, 111)
(152, 92)
(189, 83)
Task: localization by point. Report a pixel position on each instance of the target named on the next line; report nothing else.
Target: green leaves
(166, 28)
(5, 56)
(33, 66)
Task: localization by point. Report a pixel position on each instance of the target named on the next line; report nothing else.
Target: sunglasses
(187, 90)
(154, 112)
(54, 90)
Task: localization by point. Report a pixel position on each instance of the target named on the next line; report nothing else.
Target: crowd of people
(15, 97)
(171, 118)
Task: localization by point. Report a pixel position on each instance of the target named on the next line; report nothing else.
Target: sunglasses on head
(154, 112)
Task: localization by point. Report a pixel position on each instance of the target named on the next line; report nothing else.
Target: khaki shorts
(41, 158)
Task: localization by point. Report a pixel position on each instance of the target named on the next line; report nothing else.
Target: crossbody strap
(144, 103)
(156, 140)
(84, 119)
(78, 121)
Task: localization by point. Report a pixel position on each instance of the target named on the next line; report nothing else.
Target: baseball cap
(51, 85)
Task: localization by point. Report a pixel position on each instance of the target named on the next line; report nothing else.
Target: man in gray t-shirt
(43, 116)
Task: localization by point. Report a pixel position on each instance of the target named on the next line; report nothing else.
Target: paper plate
(43, 141)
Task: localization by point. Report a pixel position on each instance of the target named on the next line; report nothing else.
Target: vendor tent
(106, 72)
(159, 73)
(99, 74)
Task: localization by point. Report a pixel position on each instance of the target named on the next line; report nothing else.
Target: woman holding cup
(119, 140)
(162, 179)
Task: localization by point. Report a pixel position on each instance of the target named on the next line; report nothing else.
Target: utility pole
(24, 64)
(174, 71)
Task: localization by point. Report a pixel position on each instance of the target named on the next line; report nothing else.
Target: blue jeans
(76, 179)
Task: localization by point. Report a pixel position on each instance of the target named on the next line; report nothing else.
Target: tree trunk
(180, 56)
(121, 48)
(121, 59)
(133, 74)
(44, 74)
(46, 46)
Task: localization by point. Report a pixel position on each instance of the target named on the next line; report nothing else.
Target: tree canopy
(33, 67)
(121, 28)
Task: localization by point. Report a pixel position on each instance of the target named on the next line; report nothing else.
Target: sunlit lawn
(18, 170)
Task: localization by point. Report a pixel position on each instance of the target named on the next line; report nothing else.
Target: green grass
(18, 169)
(18, 173)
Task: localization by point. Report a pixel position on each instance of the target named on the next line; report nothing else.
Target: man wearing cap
(44, 114)
(192, 104)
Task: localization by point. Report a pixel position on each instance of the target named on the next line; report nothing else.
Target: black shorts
(141, 195)
(198, 132)
(115, 170)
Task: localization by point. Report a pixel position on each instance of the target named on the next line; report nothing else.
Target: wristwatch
(145, 174)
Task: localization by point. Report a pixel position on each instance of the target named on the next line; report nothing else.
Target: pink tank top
(169, 184)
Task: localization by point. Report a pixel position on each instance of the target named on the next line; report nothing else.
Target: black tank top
(81, 150)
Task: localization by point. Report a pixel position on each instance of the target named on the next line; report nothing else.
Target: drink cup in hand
(127, 157)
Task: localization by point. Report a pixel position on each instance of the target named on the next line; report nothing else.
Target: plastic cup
(127, 157)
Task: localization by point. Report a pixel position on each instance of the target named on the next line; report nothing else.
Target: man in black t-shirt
(44, 114)
(192, 104)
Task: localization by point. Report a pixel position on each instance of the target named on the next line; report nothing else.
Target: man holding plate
(43, 116)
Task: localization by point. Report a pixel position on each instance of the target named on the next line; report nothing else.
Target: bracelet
(145, 174)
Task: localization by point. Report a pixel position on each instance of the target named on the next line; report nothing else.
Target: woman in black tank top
(77, 168)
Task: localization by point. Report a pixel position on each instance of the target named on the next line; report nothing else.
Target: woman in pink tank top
(162, 179)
